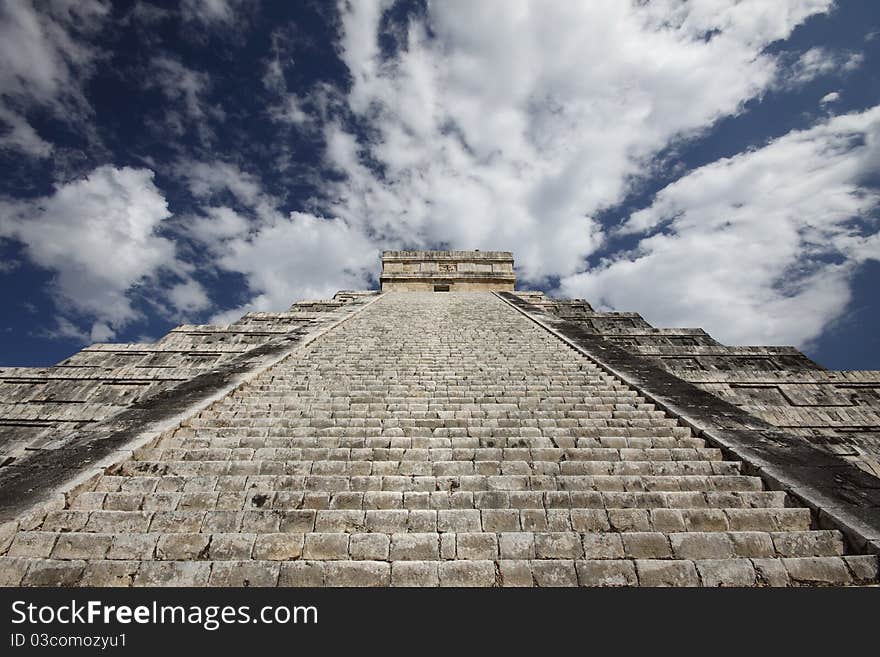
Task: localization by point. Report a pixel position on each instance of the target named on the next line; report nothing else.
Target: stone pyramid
(446, 430)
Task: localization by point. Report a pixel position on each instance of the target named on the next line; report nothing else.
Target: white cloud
(64, 328)
(288, 107)
(21, 136)
(101, 332)
(210, 181)
(179, 83)
(206, 179)
(217, 225)
(46, 58)
(187, 107)
(831, 97)
(757, 248)
(289, 110)
(818, 61)
(189, 296)
(519, 121)
(212, 11)
(299, 257)
(99, 236)
(284, 257)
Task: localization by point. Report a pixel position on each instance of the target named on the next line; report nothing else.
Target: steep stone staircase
(433, 438)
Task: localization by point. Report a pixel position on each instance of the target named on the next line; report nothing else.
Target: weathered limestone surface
(40, 407)
(835, 411)
(431, 439)
(456, 271)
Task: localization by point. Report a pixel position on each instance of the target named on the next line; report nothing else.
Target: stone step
(458, 543)
(166, 493)
(433, 403)
(309, 453)
(498, 421)
(518, 482)
(197, 512)
(255, 438)
(805, 571)
(373, 467)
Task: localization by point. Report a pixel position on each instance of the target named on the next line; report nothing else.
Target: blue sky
(708, 164)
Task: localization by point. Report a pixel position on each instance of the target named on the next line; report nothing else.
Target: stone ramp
(434, 438)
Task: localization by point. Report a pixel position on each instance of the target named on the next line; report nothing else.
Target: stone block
(415, 547)
(326, 546)
(726, 572)
(515, 573)
(172, 573)
(646, 545)
(864, 568)
(32, 544)
(473, 545)
(244, 573)
(702, 545)
(666, 573)
(415, 573)
(610, 572)
(589, 520)
(301, 573)
(817, 571)
(138, 547)
(459, 520)
(517, 545)
(182, 547)
(50, 572)
(602, 546)
(467, 573)
(558, 545)
(770, 572)
(230, 547)
(357, 573)
(554, 573)
(12, 570)
(282, 546)
(109, 573)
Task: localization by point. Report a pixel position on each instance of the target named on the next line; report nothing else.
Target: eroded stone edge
(840, 495)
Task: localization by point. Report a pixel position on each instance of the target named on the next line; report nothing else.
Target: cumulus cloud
(828, 98)
(284, 256)
(189, 296)
(99, 236)
(759, 247)
(514, 124)
(46, 58)
(299, 256)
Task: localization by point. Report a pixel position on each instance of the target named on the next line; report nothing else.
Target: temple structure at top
(447, 271)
